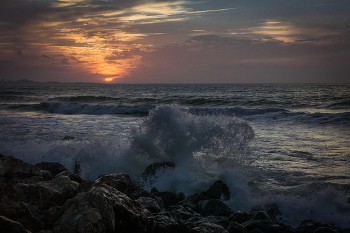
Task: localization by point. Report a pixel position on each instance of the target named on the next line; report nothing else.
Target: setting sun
(108, 79)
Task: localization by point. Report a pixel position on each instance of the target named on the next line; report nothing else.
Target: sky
(188, 41)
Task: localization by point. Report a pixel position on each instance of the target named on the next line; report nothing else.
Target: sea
(282, 144)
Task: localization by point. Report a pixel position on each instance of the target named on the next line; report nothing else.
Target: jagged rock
(168, 198)
(10, 226)
(53, 167)
(165, 224)
(218, 220)
(208, 228)
(235, 227)
(76, 178)
(214, 207)
(47, 194)
(67, 138)
(240, 217)
(218, 190)
(261, 215)
(310, 226)
(145, 193)
(155, 169)
(180, 213)
(150, 204)
(192, 200)
(119, 181)
(263, 225)
(325, 230)
(103, 209)
(15, 170)
(46, 175)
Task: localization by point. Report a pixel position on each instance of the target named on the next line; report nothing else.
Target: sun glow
(108, 79)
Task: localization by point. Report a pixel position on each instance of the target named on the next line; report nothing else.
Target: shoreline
(48, 198)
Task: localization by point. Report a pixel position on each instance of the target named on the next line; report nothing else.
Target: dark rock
(10, 226)
(325, 230)
(119, 181)
(235, 227)
(153, 171)
(150, 204)
(67, 138)
(218, 220)
(180, 213)
(214, 207)
(76, 178)
(261, 215)
(168, 198)
(54, 167)
(240, 217)
(218, 190)
(103, 209)
(181, 196)
(310, 226)
(195, 198)
(47, 194)
(154, 190)
(46, 175)
(256, 230)
(165, 224)
(263, 225)
(208, 228)
(15, 170)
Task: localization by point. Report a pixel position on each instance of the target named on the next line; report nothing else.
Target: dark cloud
(19, 53)
(45, 56)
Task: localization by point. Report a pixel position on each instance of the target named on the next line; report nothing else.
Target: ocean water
(287, 144)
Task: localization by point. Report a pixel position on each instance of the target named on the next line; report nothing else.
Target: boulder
(10, 226)
(47, 194)
(218, 190)
(150, 204)
(214, 207)
(53, 167)
(240, 217)
(235, 227)
(261, 215)
(164, 223)
(218, 220)
(208, 228)
(119, 181)
(181, 213)
(263, 225)
(310, 226)
(103, 209)
(325, 230)
(15, 170)
(168, 198)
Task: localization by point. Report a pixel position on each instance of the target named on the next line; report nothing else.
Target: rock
(263, 225)
(195, 198)
(15, 170)
(256, 230)
(168, 198)
(153, 171)
(218, 220)
(325, 230)
(235, 227)
(310, 226)
(150, 204)
(67, 138)
(218, 190)
(47, 194)
(154, 190)
(261, 215)
(214, 207)
(240, 217)
(208, 228)
(10, 226)
(76, 178)
(103, 209)
(119, 181)
(180, 213)
(54, 167)
(165, 224)
(46, 175)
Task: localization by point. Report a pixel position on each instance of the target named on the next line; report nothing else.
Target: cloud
(45, 56)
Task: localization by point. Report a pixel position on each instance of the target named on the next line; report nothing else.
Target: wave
(75, 99)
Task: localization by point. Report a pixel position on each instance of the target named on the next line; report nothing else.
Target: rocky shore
(49, 198)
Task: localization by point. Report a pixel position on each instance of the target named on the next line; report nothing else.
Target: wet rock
(310, 226)
(208, 228)
(103, 209)
(214, 207)
(46, 175)
(54, 167)
(261, 215)
(240, 217)
(181, 213)
(119, 181)
(165, 224)
(10, 226)
(76, 178)
(263, 225)
(218, 220)
(235, 227)
(15, 170)
(325, 230)
(67, 138)
(150, 204)
(47, 194)
(153, 171)
(168, 198)
(218, 190)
